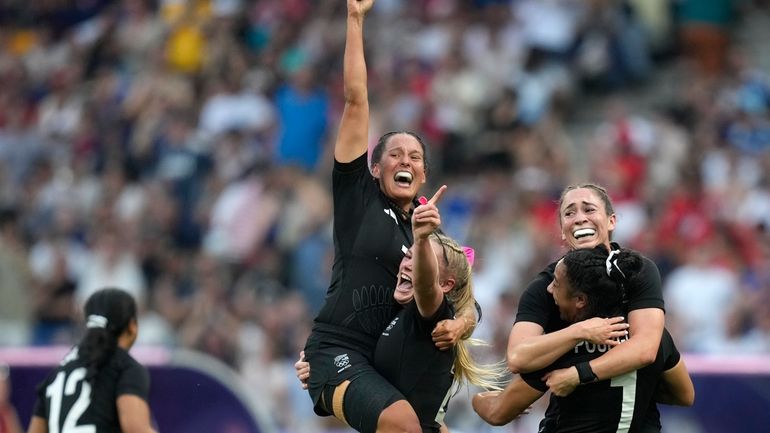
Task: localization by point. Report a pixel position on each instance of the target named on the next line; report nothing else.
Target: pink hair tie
(422, 200)
(470, 254)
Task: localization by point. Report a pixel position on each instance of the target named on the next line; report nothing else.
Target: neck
(125, 341)
(404, 210)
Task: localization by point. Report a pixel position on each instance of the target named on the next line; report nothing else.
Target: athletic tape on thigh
(338, 399)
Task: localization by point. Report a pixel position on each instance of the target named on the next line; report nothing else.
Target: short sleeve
(134, 380)
(645, 289)
(534, 379)
(669, 351)
(536, 304)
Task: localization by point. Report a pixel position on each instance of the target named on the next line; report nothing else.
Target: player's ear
(447, 285)
(376, 170)
(581, 300)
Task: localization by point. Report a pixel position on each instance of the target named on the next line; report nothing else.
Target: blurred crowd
(180, 149)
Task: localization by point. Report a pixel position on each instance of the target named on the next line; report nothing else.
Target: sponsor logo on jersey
(392, 214)
(386, 332)
(342, 362)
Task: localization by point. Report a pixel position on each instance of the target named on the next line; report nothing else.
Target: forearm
(354, 125)
(354, 66)
(427, 293)
(425, 267)
(639, 351)
(501, 407)
(538, 351)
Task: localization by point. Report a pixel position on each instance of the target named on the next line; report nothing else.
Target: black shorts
(367, 393)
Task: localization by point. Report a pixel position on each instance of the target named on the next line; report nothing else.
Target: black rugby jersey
(370, 239)
(407, 357)
(537, 305)
(66, 400)
(618, 405)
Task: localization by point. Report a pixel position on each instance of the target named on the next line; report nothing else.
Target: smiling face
(401, 169)
(584, 220)
(566, 299)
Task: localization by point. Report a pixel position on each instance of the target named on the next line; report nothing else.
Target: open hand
(599, 330)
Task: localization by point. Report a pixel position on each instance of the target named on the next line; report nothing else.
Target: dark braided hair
(108, 312)
(587, 273)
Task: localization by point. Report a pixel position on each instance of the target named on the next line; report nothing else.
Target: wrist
(470, 325)
(585, 373)
(578, 332)
(356, 18)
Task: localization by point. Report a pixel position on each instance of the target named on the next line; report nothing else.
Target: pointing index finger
(437, 196)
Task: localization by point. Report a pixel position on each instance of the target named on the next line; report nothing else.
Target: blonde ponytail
(466, 369)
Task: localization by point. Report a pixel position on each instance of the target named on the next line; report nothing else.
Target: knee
(399, 417)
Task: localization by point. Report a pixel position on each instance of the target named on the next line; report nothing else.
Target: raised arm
(352, 139)
(427, 289)
(501, 407)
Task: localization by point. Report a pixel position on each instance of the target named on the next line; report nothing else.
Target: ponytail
(96, 347)
(466, 369)
(109, 312)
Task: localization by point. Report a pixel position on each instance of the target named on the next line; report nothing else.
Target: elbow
(519, 363)
(488, 411)
(496, 420)
(688, 399)
(355, 94)
(514, 363)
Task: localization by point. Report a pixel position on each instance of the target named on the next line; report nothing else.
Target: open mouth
(403, 178)
(581, 233)
(404, 283)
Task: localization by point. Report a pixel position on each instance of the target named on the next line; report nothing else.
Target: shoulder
(648, 274)
(123, 361)
(536, 304)
(539, 285)
(355, 166)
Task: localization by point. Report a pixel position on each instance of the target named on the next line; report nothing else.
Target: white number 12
(56, 392)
